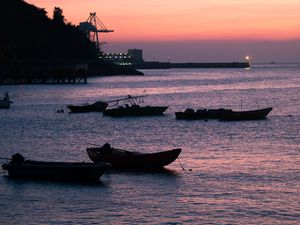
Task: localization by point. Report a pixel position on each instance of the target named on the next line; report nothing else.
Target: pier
(43, 72)
(134, 58)
(168, 65)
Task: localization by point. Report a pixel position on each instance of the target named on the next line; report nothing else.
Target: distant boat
(119, 158)
(98, 106)
(18, 168)
(134, 109)
(5, 102)
(200, 114)
(246, 115)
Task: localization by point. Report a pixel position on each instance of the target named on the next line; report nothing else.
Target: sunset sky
(194, 30)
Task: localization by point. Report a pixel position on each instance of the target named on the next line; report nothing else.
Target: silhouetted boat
(119, 158)
(98, 106)
(246, 115)
(18, 168)
(5, 102)
(134, 109)
(200, 114)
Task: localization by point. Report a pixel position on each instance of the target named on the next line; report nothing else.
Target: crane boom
(92, 26)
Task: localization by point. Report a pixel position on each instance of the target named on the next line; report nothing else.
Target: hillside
(28, 34)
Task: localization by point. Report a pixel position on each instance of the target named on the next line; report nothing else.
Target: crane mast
(91, 27)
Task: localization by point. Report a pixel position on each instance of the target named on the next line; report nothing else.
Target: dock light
(247, 58)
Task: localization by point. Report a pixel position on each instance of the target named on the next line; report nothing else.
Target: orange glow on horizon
(157, 20)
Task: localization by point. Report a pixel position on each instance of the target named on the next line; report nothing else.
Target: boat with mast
(132, 108)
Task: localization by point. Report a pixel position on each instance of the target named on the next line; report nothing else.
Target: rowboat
(135, 110)
(19, 168)
(200, 114)
(4, 104)
(98, 106)
(246, 115)
(119, 158)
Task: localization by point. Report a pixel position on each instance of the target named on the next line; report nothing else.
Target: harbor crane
(91, 27)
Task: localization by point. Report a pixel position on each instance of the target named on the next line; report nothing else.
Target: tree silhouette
(58, 16)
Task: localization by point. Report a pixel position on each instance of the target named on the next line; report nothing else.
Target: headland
(35, 48)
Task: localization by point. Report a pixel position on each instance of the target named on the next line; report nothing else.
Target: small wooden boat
(119, 158)
(200, 114)
(66, 171)
(246, 115)
(134, 109)
(98, 106)
(5, 102)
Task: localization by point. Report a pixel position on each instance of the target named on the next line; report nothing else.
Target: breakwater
(168, 65)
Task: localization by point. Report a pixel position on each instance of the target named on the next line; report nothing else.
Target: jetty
(134, 58)
(168, 65)
(44, 72)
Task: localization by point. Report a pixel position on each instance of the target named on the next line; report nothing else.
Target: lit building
(132, 57)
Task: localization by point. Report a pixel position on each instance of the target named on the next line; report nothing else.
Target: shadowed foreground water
(235, 172)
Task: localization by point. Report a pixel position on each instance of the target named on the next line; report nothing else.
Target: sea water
(240, 172)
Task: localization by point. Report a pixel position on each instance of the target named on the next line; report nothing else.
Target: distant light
(247, 58)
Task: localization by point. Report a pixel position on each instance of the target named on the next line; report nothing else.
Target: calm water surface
(235, 172)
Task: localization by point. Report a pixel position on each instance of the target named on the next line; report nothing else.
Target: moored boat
(119, 158)
(5, 102)
(134, 109)
(98, 106)
(200, 114)
(19, 168)
(246, 115)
